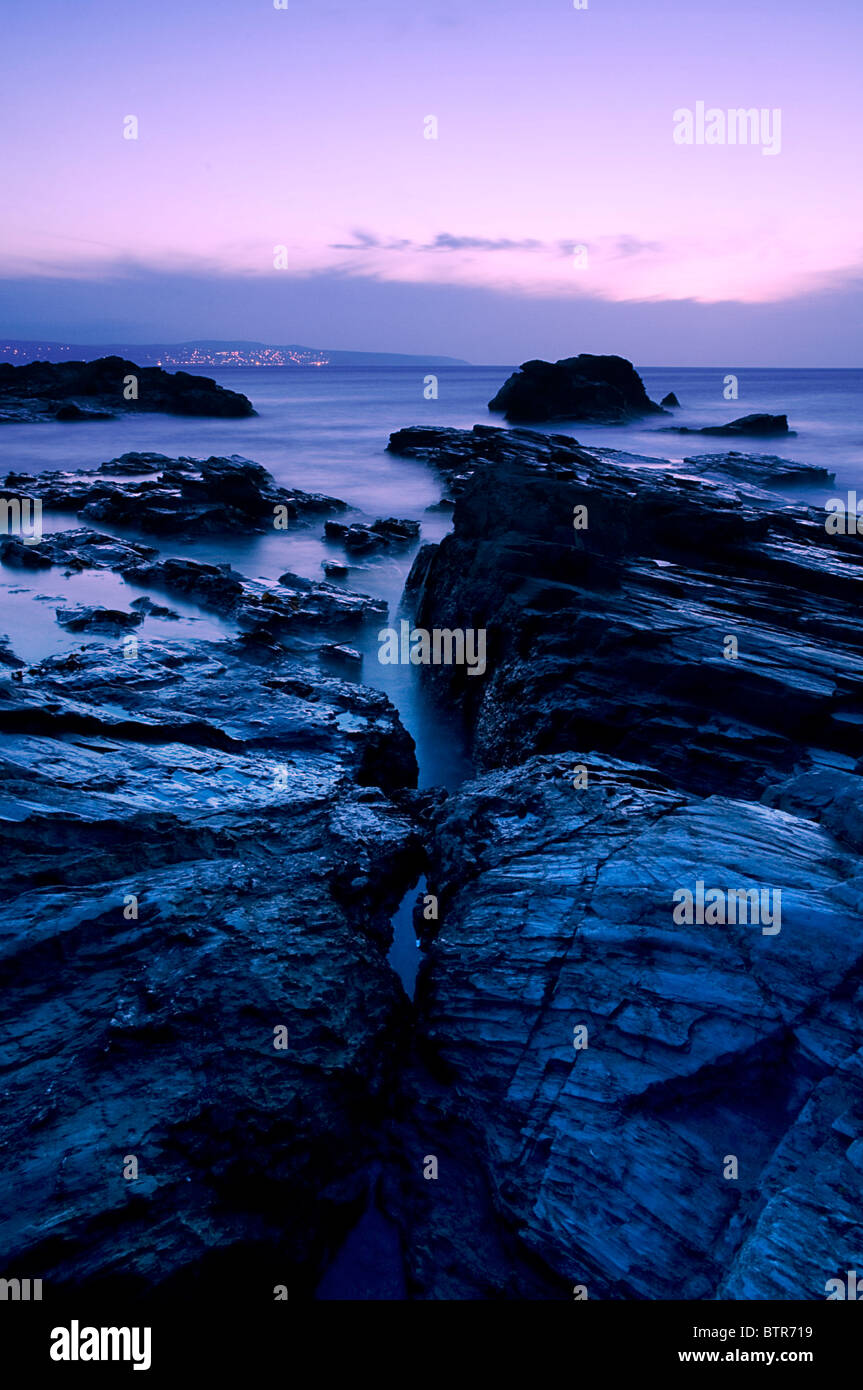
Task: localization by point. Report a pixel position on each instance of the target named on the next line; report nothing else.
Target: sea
(326, 429)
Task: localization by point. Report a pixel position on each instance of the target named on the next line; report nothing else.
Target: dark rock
(702, 1041)
(152, 610)
(76, 550)
(670, 401)
(757, 425)
(96, 391)
(87, 618)
(382, 533)
(600, 389)
(195, 861)
(7, 656)
(74, 412)
(396, 530)
(334, 570)
(215, 496)
(764, 470)
(633, 612)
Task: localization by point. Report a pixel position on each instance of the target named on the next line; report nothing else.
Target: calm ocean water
(326, 430)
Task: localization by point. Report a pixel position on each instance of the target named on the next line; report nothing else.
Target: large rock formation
(673, 694)
(101, 390)
(601, 389)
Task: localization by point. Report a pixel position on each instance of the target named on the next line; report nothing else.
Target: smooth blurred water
(325, 430)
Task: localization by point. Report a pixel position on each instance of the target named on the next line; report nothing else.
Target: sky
(480, 178)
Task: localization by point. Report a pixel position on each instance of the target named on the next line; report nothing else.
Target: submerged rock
(600, 389)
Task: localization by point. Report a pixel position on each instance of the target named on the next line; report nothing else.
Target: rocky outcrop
(100, 391)
(666, 1106)
(670, 402)
(612, 1061)
(725, 617)
(760, 426)
(606, 390)
(203, 853)
(177, 497)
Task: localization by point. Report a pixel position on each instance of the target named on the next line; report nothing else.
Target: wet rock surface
(631, 752)
(701, 1042)
(100, 390)
(181, 497)
(206, 849)
(206, 843)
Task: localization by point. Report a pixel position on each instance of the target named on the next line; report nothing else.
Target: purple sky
(305, 128)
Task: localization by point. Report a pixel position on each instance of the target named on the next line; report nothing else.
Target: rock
(146, 606)
(759, 425)
(397, 531)
(382, 533)
(633, 611)
(600, 389)
(215, 496)
(764, 470)
(701, 1041)
(340, 653)
(334, 570)
(74, 412)
(135, 464)
(359, 540)
(94, 618)
(77, 550)
(670, 401)
(193, 965)
(96, 391)
(7, 656)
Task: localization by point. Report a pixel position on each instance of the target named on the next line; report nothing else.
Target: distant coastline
(212, 353)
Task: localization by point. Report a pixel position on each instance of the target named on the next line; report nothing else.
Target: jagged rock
(702, 1041)
(190, 869)
(188, 497)
(96, 391)
(76, 550)
(670, 401)
(632, 612)
(760, 425)
(382, 533)
(601, 389)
